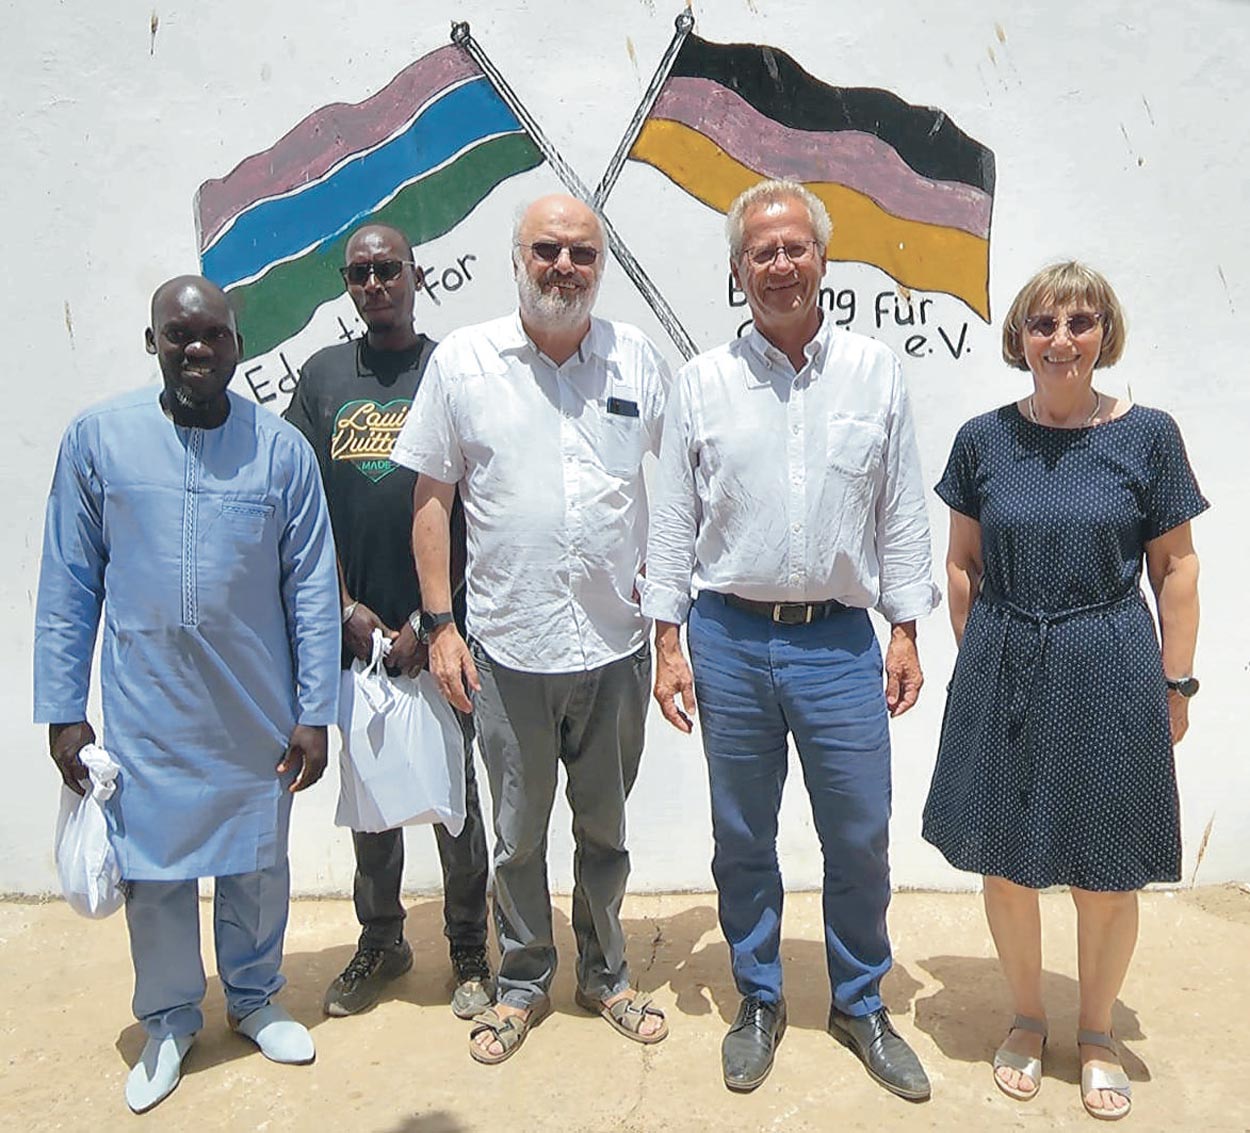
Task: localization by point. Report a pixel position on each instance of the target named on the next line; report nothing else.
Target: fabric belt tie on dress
(1017, 711)
(786, 613)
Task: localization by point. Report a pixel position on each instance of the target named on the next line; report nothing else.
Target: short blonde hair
(775, 192)
(1060, 285)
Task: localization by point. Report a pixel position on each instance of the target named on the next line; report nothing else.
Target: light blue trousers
(249, 922)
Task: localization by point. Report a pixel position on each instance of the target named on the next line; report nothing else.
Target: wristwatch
(1186, 686)
(425, 623)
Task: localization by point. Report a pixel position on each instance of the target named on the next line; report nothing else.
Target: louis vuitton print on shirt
(351, 402)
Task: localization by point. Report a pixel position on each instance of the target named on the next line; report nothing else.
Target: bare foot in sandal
(499, 1032)
(650, 1024)
(630, 1012)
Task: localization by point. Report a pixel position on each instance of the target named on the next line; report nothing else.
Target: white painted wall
(1121, 138)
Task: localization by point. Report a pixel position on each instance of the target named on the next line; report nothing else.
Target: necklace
(1092, 413)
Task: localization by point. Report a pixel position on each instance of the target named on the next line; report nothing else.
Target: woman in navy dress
(1055, 764)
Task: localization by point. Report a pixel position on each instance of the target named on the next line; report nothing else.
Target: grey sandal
(1095, 1078)
(1021, 1062)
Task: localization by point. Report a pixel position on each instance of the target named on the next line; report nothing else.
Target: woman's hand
(1178, 715)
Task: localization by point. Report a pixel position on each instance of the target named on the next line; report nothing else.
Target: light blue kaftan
(210, 551)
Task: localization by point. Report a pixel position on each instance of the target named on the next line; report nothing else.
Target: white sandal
(1096, 1078)
(1022, 1063)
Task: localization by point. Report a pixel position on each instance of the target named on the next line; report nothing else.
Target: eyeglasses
(796, 253)
(382, 270)
(583, 255)
(1078, 323)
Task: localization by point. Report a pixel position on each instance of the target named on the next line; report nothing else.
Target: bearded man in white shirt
(789, 502)
(542, 418)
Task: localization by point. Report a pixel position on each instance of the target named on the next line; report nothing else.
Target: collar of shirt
(516, 341)
(775, 360)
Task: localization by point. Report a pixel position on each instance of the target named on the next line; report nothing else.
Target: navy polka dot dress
(1055, 762)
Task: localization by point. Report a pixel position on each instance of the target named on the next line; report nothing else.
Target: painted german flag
(908, 190)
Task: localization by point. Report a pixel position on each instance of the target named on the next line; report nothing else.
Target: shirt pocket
(856, 448)
(620, 445)
(245, 519)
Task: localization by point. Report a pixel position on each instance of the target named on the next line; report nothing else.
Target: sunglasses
(796, 253)
(1045, 326)
(583, 255)
(382, 270)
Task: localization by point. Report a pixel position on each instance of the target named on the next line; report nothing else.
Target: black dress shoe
(746, 1055)
(884, 1053)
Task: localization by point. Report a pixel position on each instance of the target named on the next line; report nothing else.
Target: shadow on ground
(968, 1017)
(684, 952)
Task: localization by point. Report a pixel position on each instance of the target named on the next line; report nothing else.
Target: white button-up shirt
(549, 463)
(790, 487)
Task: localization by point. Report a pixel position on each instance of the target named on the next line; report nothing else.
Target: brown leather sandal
(626, 1015)
(507, 1030)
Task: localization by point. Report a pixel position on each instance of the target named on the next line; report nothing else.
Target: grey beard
(554, 310)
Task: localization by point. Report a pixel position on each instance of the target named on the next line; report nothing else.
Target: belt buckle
(781, 618)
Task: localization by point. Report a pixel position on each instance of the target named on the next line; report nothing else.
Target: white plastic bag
(403, 750)
(91, 879)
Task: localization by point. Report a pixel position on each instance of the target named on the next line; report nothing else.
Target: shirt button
(794, 580)
(797, 527)
(794, 429)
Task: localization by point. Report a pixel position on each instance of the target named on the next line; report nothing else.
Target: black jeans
(380, 871)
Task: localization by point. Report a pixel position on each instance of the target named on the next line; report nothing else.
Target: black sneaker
(360, 983)
(475, 985)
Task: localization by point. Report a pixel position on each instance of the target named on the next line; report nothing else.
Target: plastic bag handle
(377, 690)
(102, 770)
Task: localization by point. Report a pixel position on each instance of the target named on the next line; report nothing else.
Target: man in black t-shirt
(351, 401)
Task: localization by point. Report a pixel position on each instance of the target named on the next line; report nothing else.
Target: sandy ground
(67, 1036)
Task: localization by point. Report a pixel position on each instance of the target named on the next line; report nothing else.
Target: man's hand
(358, 631)
(673, 677)
(308, 749)
(902, 669)
(65, 741)
(451, 663)
(1178, 715)
(407, 655)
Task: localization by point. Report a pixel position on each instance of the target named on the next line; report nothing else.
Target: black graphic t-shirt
(351, 403)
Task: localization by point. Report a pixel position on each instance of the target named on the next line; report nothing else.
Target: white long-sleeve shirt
(790, 487)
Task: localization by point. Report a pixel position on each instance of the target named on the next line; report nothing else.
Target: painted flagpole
(461, 36)
(684, 26)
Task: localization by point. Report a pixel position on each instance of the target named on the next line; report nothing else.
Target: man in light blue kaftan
(195, 520)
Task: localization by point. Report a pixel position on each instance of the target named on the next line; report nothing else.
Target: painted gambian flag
(420, 154)
(907, 190)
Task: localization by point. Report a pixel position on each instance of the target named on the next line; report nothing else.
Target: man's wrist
(667, 637)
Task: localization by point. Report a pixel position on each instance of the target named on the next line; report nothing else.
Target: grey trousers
(380, 872)
(528, 723)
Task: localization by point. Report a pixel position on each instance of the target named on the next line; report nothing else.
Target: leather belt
(786, 613)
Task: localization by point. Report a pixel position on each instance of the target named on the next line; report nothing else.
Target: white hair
(776, 192)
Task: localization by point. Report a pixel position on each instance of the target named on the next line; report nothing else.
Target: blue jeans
(249, 922)
(756, 683)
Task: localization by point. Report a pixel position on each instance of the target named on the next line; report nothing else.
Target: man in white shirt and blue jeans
(789, 502)
(542, 418)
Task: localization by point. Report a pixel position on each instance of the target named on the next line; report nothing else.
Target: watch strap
(429, 622)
